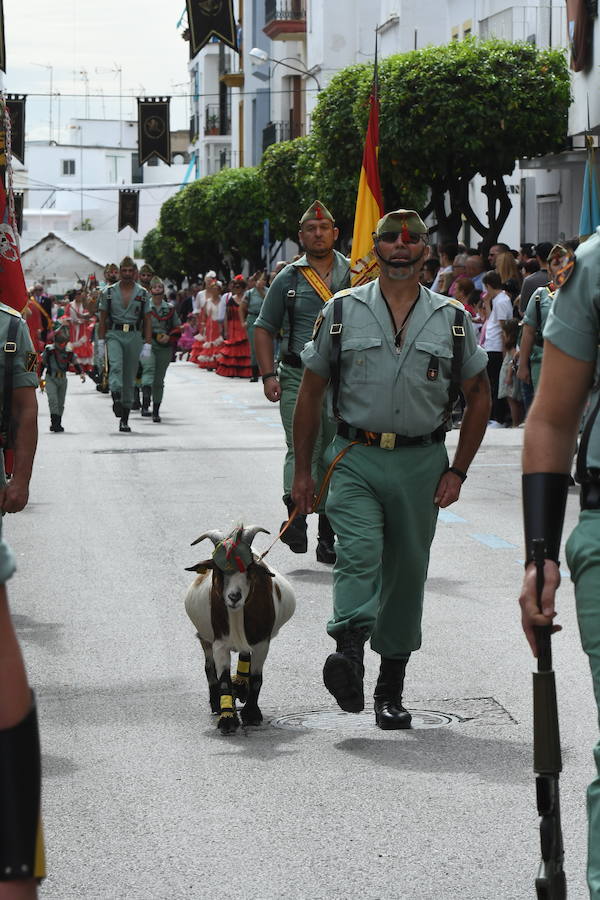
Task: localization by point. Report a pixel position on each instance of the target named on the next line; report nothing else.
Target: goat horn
(215, 536)
(251, 532)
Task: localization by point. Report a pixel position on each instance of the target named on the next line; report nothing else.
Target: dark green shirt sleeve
(273, 309)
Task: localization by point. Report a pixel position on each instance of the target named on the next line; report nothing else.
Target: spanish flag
(369, 202)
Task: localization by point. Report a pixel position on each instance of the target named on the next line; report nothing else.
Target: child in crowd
(508, 384)
(186, 338)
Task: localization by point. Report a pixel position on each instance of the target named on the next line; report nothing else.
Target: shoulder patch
(31, 361)
(567, 266)
(455, 303)
(8, 309)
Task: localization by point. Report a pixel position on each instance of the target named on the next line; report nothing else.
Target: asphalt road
(143, 798)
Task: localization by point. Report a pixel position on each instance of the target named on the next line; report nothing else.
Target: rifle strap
(10, 349)
(335, 331)
(458, 345)
(290, 301)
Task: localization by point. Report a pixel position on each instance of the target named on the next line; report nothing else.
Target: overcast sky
(79, 37)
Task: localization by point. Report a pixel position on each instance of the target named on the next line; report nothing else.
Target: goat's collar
(232, 555)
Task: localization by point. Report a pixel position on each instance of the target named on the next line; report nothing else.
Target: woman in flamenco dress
(205, 352)
(234, 360)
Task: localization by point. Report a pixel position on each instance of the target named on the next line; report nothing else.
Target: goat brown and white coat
(237, 611)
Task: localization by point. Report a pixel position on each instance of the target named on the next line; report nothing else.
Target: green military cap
(61, 331)
(316, 211)
(111, 267)
(399, 219)
(232, 554)
(157, 282)
(146, 269)
(126, 262)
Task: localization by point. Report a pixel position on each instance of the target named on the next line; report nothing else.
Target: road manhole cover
(469, 711)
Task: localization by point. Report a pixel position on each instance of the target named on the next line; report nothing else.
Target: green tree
(235, 211)
(289, 185)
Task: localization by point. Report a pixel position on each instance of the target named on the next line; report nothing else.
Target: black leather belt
(124, 326)
(389, 440)
(292, 359)
(590, 495)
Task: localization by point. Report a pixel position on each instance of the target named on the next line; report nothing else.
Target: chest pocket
(432, 363)
(362, 360)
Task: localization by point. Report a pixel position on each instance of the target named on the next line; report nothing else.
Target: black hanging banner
(2, 41)
(154, 129)
(18, 198)
(129, 207)
(16, 110)
(208, 18)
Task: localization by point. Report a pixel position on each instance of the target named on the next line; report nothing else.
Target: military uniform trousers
(583, 558)
(56, 391)
(289, 379)
(124, 350)
(250, 320)
(154, 368)
(381, 508)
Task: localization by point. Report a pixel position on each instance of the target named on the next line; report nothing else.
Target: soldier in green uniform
(144, 276)
(293, 303)
(98, 374)
(571, 369)
(250, 311)
(165, 322)
(125, 326)
(56, 359)
(21, 844)
(396, 355)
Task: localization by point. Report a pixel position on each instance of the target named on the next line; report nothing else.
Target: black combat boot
(155, 412)
(123, 426)
(94, 374)
(325, 551)
(53, 419)
(344, 671)
(146, 397)
(295, 536)
(389, 712)
(254, 373)
(57, 425)
(136, 398)
(117, 405)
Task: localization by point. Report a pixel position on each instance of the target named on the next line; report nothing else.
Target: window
(548, 219)
(454, 35)
(67, 166)
(467, 28)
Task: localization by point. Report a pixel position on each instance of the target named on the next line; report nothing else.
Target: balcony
(284, 21)
(275, 132)
(216, 122)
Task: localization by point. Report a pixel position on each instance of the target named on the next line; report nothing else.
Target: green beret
(231, 554)
(395, 221)
(316, 211)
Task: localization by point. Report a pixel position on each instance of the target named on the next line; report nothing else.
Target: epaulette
(343, 293)
(455, 303)
(9, 309)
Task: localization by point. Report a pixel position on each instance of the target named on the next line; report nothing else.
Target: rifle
(104, 373)
(550, 883)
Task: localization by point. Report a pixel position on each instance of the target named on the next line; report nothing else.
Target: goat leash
(317, 500)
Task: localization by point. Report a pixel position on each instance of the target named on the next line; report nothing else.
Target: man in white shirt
(499, 309)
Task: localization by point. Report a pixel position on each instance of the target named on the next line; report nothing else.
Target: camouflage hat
(316, 211)
(157, 282)
(127, 262)
(146, 269)
(399, 219)
(232, 554)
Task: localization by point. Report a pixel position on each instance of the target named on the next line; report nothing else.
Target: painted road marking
(493, 542)
(448, 517)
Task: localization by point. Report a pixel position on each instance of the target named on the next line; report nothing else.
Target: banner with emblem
(16, 110)
(211, 18)
(2, 41)
(154, 129)
(129, 209)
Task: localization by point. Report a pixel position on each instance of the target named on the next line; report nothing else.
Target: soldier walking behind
(165, 322)
(293, 302)
(56, 359)
(126, 327)
(395, 356)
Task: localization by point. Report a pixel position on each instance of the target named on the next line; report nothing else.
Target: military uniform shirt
(574, 323)
(24, 361)
(135, 311)
(307, 304)
(530, 318)
(254, 301)
(384, 389)
(164, 318)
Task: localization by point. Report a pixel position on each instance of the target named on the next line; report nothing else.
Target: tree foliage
(288, 184)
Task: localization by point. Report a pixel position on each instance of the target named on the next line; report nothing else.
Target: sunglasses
(390, 237)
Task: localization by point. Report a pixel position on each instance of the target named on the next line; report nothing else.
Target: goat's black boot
(389, 712)
(117, 405)
(344, 671)
(136, 398)
(254, 373)
(325, 551)
(146, 397)
(295, 536)
(155, 412)
(123, 424)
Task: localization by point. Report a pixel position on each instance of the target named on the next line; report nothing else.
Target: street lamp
(259, 56)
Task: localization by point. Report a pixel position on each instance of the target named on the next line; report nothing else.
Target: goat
(236, 603)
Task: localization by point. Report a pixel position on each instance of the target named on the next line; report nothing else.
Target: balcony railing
(215, 122)
(275, 132)
(284, 20)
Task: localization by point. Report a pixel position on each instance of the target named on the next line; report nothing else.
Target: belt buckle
(387, 441)
(10, 347)
(126, 328)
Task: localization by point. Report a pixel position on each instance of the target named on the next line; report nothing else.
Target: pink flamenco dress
(207, 354)
(234, 361)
